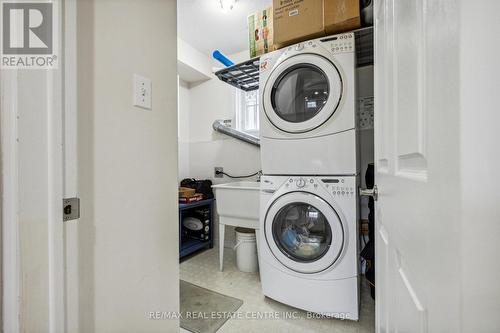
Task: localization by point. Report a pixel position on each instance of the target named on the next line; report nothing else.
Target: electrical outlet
(365, 113)
(218, 172)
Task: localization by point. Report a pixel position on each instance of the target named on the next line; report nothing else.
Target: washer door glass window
(302, 232)
(300, 93)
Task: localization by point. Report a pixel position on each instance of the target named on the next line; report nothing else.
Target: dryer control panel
(341, 43)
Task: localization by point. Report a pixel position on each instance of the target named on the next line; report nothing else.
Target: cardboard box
(300, 20)
(341, 16)
(297, 20)
(260, 32)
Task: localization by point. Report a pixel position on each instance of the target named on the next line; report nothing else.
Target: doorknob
(369, 192)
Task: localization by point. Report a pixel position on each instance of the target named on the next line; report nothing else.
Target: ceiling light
(227, 5)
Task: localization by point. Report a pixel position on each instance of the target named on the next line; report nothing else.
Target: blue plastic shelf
(190, 245)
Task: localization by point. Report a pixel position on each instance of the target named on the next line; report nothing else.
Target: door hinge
(71, 209)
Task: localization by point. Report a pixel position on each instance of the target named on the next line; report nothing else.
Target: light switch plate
(142, 92)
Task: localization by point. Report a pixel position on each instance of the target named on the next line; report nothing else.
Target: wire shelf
(244, 76)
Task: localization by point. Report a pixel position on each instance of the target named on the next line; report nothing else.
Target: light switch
(142, 92)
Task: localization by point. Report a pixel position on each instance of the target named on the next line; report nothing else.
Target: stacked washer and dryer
(308, 241)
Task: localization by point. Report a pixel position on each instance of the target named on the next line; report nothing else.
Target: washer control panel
(339, 187)
(301, 183)
(342, 191)
(335, 186)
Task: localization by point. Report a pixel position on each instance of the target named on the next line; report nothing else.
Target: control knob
(300, 182)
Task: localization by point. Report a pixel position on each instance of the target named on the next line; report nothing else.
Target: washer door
(304, 232)
(302, 93)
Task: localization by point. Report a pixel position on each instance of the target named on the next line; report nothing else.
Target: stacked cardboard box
(260, 32)
(298, 20)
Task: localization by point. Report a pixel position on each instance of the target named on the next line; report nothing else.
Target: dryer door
(304, 232)
(302, 93)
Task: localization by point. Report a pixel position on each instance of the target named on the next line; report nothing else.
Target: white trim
(70, 164)
(55, 97)
(55, 195)
(10, 202)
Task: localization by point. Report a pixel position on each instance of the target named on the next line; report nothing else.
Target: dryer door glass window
(300, 93)
(302, 232)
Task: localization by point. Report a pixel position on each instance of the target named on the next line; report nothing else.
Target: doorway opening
(310, 240)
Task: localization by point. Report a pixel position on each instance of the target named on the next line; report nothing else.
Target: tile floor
(202, 270)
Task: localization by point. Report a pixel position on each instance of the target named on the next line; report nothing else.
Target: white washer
(308, 244)
(307, 102)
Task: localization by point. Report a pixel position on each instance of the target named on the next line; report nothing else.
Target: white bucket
(246, 250)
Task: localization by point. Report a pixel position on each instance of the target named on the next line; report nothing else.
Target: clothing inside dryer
(302, 232)
(300, 93)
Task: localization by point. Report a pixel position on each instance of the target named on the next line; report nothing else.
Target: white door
(417, 166)
(108, 271)
(38, 119)
(32, 217)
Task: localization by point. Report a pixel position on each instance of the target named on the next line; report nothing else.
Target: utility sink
(237, 205)
(238, 201)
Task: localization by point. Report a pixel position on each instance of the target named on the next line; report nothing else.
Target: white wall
(128, 233)
(184, 129)
(205, 148)
(192, 65)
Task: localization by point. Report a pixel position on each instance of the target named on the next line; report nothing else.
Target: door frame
(9, 202)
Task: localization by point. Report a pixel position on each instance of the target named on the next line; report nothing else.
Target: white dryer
(307, 102)
(308, 244)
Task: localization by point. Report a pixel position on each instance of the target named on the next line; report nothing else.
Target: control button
(290, 180)
(300, 182)
(338, 192)
(343, 192)
(311, 180)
